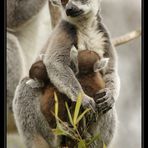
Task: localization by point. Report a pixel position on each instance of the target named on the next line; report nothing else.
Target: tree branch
(126, 38)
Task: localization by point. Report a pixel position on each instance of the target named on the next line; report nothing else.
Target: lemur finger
(105, 111)
(101, 100)
(99, 95)
(109, 102)
(102, 96)
(101, 110)
(102, 93)
(106, 105)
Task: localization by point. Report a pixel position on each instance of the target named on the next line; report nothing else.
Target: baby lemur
(90, 80)
(80, 27)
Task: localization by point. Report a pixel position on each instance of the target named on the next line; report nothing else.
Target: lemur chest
(91, 40)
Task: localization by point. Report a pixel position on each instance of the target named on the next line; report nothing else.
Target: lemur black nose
(72, 10)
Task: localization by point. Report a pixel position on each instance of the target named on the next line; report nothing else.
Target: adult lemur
(80, 26)
(25, 19)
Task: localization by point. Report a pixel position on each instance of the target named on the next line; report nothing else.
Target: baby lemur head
(90, 62)
(86, 61)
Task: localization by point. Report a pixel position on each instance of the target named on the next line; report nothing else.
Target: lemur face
(76, 8)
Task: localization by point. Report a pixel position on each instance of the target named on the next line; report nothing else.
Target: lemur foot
(34, 83)
(104, 100)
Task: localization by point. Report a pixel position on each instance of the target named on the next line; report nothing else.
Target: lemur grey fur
(13, 74)
(20, 12)
(23, 24)
(85, 30)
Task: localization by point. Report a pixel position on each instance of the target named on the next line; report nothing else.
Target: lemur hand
(104, 100)
(88, 102)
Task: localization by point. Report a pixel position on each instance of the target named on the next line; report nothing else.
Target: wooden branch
(126, 38)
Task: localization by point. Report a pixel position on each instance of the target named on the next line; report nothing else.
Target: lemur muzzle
(72, 10)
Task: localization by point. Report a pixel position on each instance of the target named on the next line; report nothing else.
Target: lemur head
(78, 9)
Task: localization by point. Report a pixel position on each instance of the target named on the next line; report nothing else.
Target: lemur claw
(104, 101)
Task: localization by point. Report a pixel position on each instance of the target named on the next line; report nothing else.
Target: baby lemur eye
(64, 2)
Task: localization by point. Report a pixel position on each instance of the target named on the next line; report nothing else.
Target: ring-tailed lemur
(25, 19)
(81, 26)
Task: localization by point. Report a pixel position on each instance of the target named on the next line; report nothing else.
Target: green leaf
(56, 104)
(81, 116)
(81, 144)
(69, 114)
(65, 129)
(59, 132)
(77, 109)
(94, 139)
(104, 146)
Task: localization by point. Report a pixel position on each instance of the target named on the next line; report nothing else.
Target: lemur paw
(89, 102)
(104, 100)
(33, 83)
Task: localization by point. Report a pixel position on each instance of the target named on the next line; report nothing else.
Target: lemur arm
(111, 76)
(107, 97)
(57, 62)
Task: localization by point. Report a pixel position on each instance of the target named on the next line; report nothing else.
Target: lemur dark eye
(64, 2)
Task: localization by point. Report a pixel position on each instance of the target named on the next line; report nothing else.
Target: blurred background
(120, 17)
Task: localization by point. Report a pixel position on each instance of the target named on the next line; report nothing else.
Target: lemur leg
(105, 127)
(30, 121)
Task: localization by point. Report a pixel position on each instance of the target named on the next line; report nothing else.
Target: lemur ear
(100, 64)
